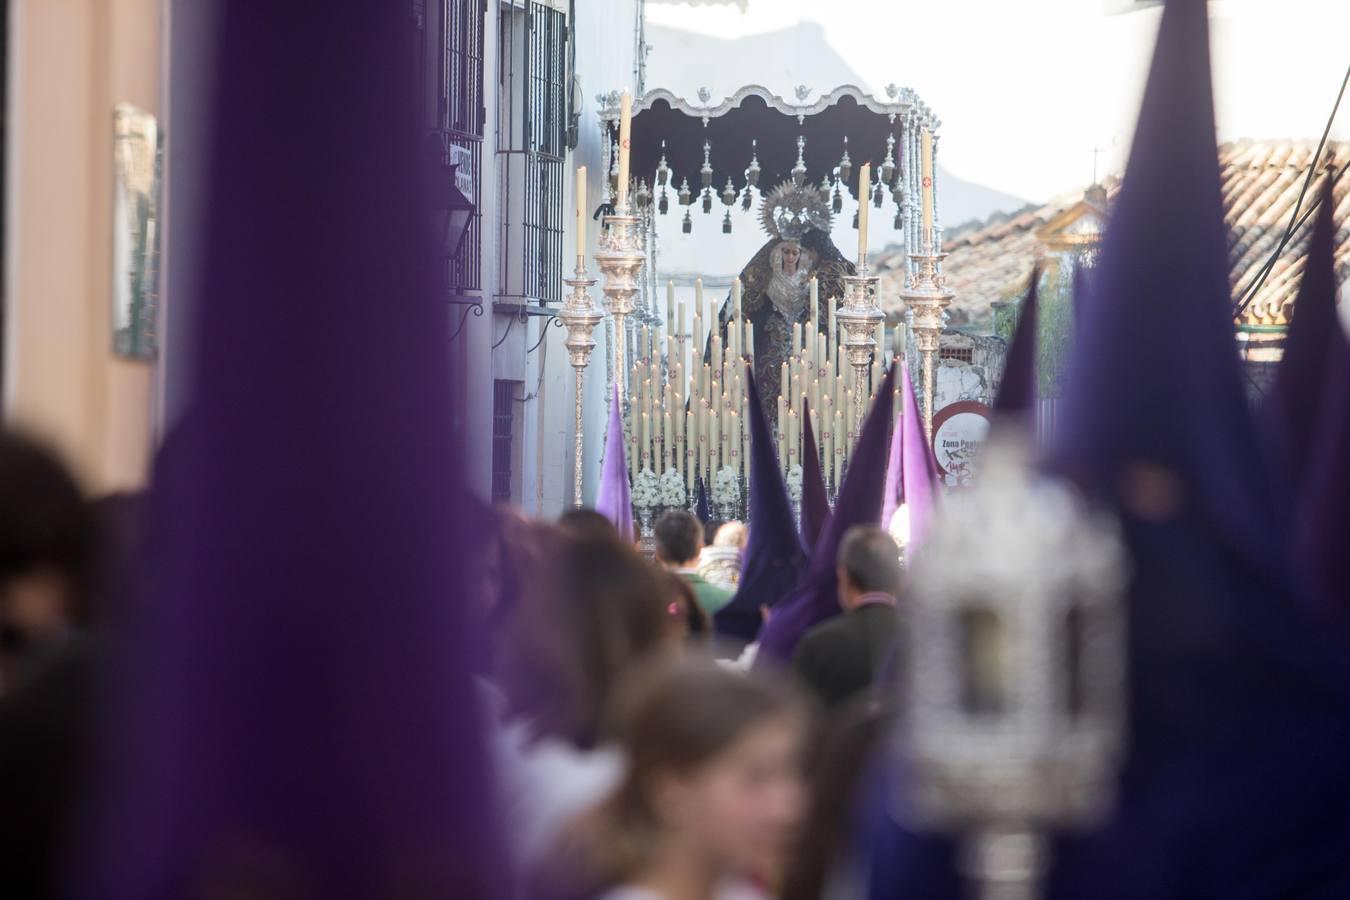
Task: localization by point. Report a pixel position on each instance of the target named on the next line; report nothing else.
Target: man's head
(869, 563)
(679, 538)
(732, 534)
(49, 544)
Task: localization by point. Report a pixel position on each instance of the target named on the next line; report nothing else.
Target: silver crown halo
(789, 211)
(1017, 668)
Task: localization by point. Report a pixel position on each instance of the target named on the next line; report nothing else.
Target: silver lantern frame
(1027, 551)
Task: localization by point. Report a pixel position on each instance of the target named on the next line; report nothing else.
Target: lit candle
(782, 433)
(816, 395)
(785, 379)
(581, 211)
(745, 447)
(690, 449)
(633, 460)
(736, 298)
(714, 443)
(625, 145)
(864, 193)
(698, 335)
(703, 444)
(680, 329)
(794, 436)
(839, 447)
(796, 338)
(833, 333)
(648, 404)
(850, 420)
(738, 441)
(698, 300)
(667, 437)
(646, 441)
(750, 341)
(826, 432)
(814, 306)
(670, 307)
(926, 191)
(717, 355)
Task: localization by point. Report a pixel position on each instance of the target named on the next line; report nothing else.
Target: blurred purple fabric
(1315, 338)
(295, 714)
(815, 500)
(816, 596)
(1316, 368)
(1222, 658)
(911, 473)
(1017, 393)
(774, 558)
(614, 499)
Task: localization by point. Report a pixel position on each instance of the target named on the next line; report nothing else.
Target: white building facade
(542, 63)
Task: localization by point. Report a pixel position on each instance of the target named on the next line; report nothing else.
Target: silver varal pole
(580, 315)
(928, 298)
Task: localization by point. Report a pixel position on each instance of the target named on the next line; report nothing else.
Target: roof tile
(1261, 183)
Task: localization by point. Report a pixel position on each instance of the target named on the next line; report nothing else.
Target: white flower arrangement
(646, 489)
(726, 487)
(794, 483)
(672, 489)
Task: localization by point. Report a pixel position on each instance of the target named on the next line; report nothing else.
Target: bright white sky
(1027, 88)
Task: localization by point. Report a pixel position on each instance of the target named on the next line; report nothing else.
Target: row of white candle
(689, 415)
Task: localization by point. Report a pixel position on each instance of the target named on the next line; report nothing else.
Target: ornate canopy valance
(700, 153)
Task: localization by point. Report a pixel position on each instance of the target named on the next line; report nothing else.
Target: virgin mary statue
(776, 283)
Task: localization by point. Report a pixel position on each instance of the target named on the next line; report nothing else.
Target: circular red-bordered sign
(958, 429)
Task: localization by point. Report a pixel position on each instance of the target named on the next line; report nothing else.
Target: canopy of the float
(755, 138)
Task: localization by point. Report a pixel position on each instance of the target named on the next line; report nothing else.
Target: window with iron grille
(959, 354)
(503, 439)
(462, 114)
(532, 143)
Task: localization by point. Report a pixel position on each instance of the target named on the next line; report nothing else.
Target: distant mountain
(684, 61)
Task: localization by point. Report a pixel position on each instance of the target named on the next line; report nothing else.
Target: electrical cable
(1294, 220)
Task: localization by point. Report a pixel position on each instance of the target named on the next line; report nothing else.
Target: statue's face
(792, 254)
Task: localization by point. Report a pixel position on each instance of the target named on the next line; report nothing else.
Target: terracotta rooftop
(1261, 182)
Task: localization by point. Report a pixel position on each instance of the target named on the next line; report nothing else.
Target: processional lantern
(1016, 671)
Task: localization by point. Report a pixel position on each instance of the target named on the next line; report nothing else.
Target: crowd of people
(641, 754)
(636, 755)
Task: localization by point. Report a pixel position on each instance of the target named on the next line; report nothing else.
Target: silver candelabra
(620, 259)
(859, 317)
(580, 315)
